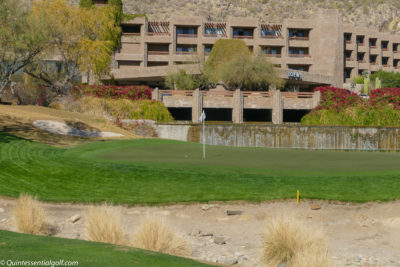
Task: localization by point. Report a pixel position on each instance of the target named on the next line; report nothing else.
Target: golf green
(156, 171)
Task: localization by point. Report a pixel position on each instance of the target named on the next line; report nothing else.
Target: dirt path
(358, 235)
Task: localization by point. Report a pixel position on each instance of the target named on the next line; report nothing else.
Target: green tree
(249, 73)
(388, 79)
(80, 39)
(22, 38)
(180, 80)
(86, 3)
(224, 50)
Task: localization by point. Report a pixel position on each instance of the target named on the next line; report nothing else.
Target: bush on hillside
(132, 92)
(86, 3)
(359, 79)
(112, 109)
(341, 107)
(389, 79)
(182, 81)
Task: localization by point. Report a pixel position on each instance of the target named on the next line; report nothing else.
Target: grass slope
(160, 171)
(23, 247)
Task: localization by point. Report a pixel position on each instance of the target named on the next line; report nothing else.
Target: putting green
(156, 171)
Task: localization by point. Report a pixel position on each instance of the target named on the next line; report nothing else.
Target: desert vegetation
(342, 107)
(295, 244)
(104, 223)
(29, 215)
(155, 234)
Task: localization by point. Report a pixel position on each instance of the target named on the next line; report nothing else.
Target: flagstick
(204, 142)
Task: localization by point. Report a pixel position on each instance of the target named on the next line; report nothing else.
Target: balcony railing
(373, 46)
(348, 41)
(299, 38)
(157, 52)
(176, 93)
(271, 36)
(256, 94)
(349, 59)
(207, 53)
(361, 61)
(185, 35)
(386, 65)
(396, 51)
(299, 55)
(243, 37)
(131, 33)
(158, 34)
(385, 49)
(297, 94)
(373, 63)
(272, 55)
(185, 52)
(360, 44)
(397, 67)
(214, 35)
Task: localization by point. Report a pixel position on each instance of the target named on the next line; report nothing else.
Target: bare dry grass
(154, 234)
(104, 223)
(295, 243)
(29, 216)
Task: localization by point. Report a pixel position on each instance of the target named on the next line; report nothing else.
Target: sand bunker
(64, 129)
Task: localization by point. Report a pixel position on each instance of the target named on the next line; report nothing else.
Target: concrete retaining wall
(286, 136)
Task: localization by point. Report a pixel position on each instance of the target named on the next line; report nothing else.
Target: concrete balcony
(157, 56)
(158, 38)
(361, 47)
(187, 39)
(129, 57)
(374, 67)
(349, 45)
(130, 39)
(396, 55)
(386, 53)
(350, 63)
(363, 65)
(299, 42)
(374, 50)
(271, 41)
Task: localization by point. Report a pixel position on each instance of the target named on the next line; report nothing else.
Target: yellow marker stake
(298, 197)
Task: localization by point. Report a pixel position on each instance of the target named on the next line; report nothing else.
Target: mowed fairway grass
(23, 247)
(153, 171)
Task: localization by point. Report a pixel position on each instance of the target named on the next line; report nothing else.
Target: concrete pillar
(155, 95)
(237, 109)
(277, 107)
(197, 105)
(316, 99)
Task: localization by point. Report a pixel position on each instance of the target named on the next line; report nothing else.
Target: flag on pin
(202, 117)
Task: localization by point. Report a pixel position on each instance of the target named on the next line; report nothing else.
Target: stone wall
(286, 136)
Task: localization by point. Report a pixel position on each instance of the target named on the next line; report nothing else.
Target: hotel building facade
(320, 50)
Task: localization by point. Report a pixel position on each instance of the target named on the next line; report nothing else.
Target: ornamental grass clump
(104, 223)
(154, 234)
(294, 243)
(29, 215)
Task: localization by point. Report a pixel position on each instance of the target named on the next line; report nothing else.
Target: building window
(207, 49)
(299, 67)
(299, 34)
(372, 59)
(396, 48)
(158, 28)
(186, 31)
(298, 52)
(372, 42)
(347, 38)
(360, 40)
(214, 29)
(158, 49)
(360, 57)
(385, 61)
(186, 49)
(347, 55)
(385, 45)
(271, 31)
(129, 29)
(243, 33)
(271, 51)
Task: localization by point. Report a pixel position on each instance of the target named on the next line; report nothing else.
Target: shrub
(104, 224)
(289, 241)
(249, 73)
(389, 79)
(359, 79)
(112, 109)
(86, 3)
(333, 98)
(154, 234)
(183, 81)
(29, 216)
(131, 92)
(385, 96)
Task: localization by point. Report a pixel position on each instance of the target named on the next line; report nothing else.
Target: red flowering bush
(333, 98)
(132, 92)
(385, 96)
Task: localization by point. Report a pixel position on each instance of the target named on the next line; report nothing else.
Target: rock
(74, 218)
(233, 212)
(282, 264)
(205, 207)
(228, 261)
(1, 210)
(3, 220)
(315, 207)
(219, 240)
(204, 234)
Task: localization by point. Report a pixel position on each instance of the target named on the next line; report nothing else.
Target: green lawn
(23, 247)
(158, 171)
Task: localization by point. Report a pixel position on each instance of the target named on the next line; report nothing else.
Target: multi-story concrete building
(321, 50)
